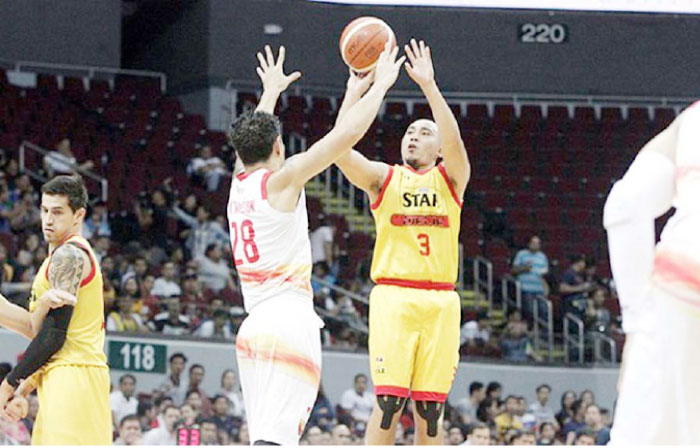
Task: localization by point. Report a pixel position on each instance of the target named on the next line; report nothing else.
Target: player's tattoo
(431, 412)
(389, 406)
(66, 269)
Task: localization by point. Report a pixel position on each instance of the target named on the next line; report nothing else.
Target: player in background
(414, 309)
(278, 346)
(66, 359)
(659, 288)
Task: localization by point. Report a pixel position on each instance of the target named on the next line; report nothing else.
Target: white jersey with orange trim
(677, 259)
(270, 248)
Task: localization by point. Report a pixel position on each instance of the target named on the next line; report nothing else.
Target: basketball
(363, 40)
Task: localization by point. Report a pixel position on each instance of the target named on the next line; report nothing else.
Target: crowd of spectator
(180, 411)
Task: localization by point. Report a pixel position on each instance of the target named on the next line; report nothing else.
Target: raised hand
(387, 70)
(56, 298)
(358, 83)
(271, 72)
(420, 65)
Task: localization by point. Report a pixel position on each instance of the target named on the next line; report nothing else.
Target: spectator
(516, 345)
(192, 290)
(548, 434)
(476, 332)
(594, 422)
(63, 161)
(321, 290)
(597, 316)
(123, 319)
(98, 223)
(166, 433)
(585, 437)
(129, 431)
(25, 214)
(314, 435)
(530, 265)
(455, 435)
(222, 414)
(494, 390)
(322, 242)
(191, 411)
(357, 401)
(587, 397)
(577, 422)
(573, 287)
(243, 435)
(466, 407)
(147, 414)
(229, 388)
(202, 230)
(541, 411)
(195, 385)
(322, 414)
(218, 326)
(341, 435)
(527, 417)
(122, 401)
(478, 435)
(566, 412)
(520, 438)
(173, 386)
(207, 169)
(166, 285)
(214, 272)
(208, 432)
(172, 322)
(508, 419)
(161, 402)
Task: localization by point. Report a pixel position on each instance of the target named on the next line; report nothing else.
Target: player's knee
(389, 406)
(430, 412)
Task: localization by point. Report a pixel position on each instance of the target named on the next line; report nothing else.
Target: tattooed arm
(69, 265)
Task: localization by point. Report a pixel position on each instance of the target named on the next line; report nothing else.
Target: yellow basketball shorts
(413, 341)
(73, 407)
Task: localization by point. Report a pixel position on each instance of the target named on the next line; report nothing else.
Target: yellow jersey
(417, 216)
(85, 339)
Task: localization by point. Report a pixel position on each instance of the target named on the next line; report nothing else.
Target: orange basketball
(363, 40)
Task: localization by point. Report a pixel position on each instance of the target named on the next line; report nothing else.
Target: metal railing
(483, 278)
(573, 340)
(600, 341)
(33, 173)
(543, 324)
(83, 70)
(511, 293)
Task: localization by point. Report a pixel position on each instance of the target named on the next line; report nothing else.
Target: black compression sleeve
(49, 341)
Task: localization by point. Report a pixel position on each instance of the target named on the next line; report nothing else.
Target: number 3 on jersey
(424, 244)
(247, 235)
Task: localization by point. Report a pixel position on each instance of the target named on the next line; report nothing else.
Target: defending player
(414, 310)
(66, 360)
(278, 345)
(659, 288)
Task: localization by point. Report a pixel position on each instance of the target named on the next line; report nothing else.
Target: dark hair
(454, 425)
(219, 396)
(252, 135)
(482, 412)
(177, 355)
(544, 386)
(226, 373)
(493, 385)
(130, 417)
(208, 421)
(194, 366)
(210, 248)
(143, 407)
(475, 386)
(563, 397)
(576, 406)
(72, 187)
(193, 391)
(159, 400)
(5, 369)
(358, 376)
(585, 432)
(475, 426)
(125, 376)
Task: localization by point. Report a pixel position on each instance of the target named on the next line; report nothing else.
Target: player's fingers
(270, 56)
(64, 296)
(280, 58)
(401, 60)
(409, 53)
(414, 47)
(260, 72)
(428, 53)
(394, 53)
(408, 68)
(421, 45)
(263, 62)
(294, 76)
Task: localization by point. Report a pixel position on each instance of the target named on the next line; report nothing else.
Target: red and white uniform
(278, 346)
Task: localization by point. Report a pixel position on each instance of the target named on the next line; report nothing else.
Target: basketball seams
(347, 36)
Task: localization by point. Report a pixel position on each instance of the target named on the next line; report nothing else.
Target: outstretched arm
(454, 153)
(365, 174)
(302, 167)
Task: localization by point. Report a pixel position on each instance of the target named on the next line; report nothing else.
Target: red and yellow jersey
(417, 216)
(85, 339)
